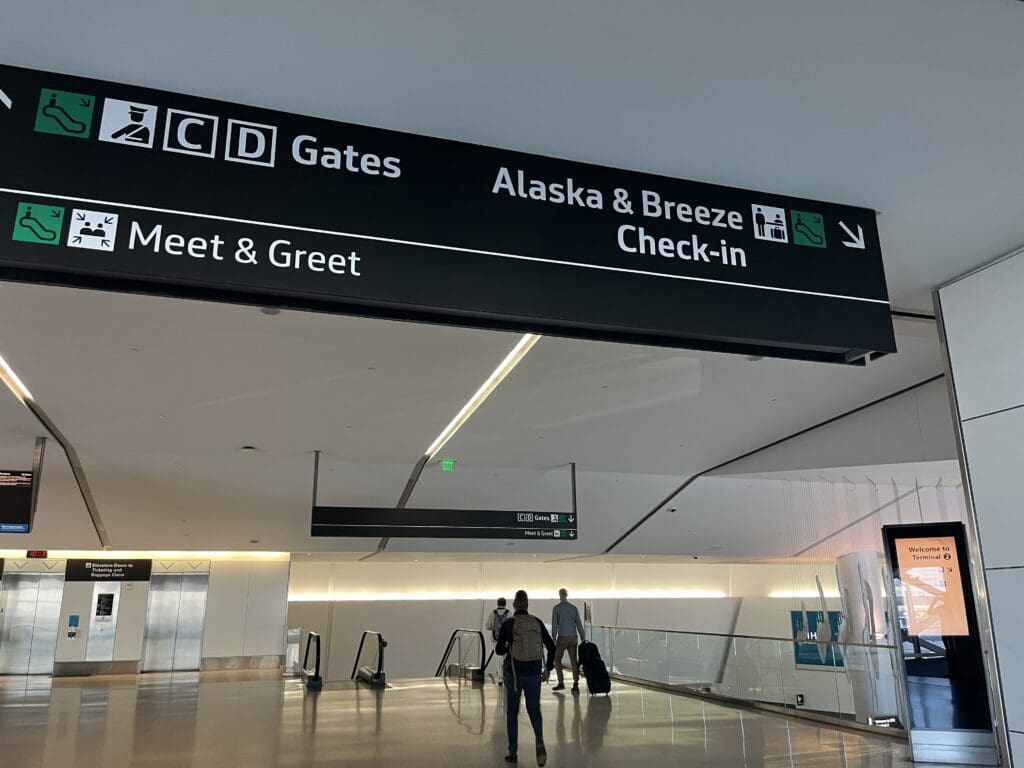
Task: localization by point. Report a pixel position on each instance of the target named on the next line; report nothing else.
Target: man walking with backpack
(522, 640)
(494, 622)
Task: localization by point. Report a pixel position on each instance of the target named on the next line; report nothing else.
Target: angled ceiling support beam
(689, 480)
(15, 384)
(512, 359)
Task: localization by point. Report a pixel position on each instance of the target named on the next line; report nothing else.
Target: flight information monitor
(15, 501)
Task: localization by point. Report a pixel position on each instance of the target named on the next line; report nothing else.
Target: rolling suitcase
(594, 669)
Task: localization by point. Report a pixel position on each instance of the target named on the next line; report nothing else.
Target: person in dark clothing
(522, 641)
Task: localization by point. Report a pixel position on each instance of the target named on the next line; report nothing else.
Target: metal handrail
(457, 638)
(371, 676)
(314, 681)
(745, 637)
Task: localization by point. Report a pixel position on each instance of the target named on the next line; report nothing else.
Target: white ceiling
(913, 108)
(158, 396)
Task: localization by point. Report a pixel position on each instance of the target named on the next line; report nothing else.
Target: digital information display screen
(932, 587)
(15, 501)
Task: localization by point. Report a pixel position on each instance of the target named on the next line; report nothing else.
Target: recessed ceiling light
(270, 311)
(755, 358)
(251, 541)
(248, 448)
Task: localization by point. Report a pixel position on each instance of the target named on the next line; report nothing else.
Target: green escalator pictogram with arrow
(35, 223)
(65, 114)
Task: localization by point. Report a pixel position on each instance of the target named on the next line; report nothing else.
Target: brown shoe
(542, 755)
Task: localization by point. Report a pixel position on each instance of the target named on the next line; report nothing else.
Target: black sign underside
(442, 523)
(454, 234)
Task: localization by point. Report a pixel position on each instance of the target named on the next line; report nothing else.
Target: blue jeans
(529, 686)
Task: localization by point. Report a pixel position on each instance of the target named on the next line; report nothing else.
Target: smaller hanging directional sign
(443, 523)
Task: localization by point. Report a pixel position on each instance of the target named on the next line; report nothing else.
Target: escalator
(368, 667)
(465, 656)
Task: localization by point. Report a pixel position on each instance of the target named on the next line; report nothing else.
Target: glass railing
(848, 681)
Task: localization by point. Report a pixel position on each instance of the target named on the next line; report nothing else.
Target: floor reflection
(232, 718)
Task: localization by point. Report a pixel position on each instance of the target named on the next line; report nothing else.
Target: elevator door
(174, 622)
(30, 603)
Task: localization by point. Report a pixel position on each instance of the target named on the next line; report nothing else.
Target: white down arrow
(856, 240)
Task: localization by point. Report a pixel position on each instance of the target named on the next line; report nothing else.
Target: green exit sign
(447, 465)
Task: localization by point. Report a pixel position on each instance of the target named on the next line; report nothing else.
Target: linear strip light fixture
(518, 352)
(16, 385)
(157, 554)
(628, 594)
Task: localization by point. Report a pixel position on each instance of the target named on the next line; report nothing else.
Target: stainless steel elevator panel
(188, 640)
(174, 622)
(31, 608)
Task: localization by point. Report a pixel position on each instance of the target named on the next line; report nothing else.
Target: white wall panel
(689, 615)
(310, 578)
(995, 447)
(543, 580)
(984, 315)
(226, 599)
(131, 621)
(416, 631)
(77, 599)
(382, 577)
(266, 609)
(1005, 588)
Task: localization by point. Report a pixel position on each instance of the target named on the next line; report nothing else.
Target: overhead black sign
(443, 523)
(108, 570)
(115, 186)
(15, 501)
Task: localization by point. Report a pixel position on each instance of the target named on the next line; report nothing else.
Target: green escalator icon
(36, 223)
(808, 228)
(65, 113)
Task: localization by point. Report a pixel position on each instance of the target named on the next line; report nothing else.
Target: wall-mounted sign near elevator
(111, 185)
(444, 523)
(108, 570)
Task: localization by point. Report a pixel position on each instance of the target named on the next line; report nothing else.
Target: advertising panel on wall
(816, 652)
(114, 186)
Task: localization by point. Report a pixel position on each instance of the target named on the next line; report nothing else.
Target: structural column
(982, 327)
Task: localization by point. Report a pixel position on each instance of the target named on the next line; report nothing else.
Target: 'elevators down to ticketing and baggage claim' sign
(114, 186)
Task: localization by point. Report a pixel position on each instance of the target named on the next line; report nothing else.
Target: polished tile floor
(237, 719)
